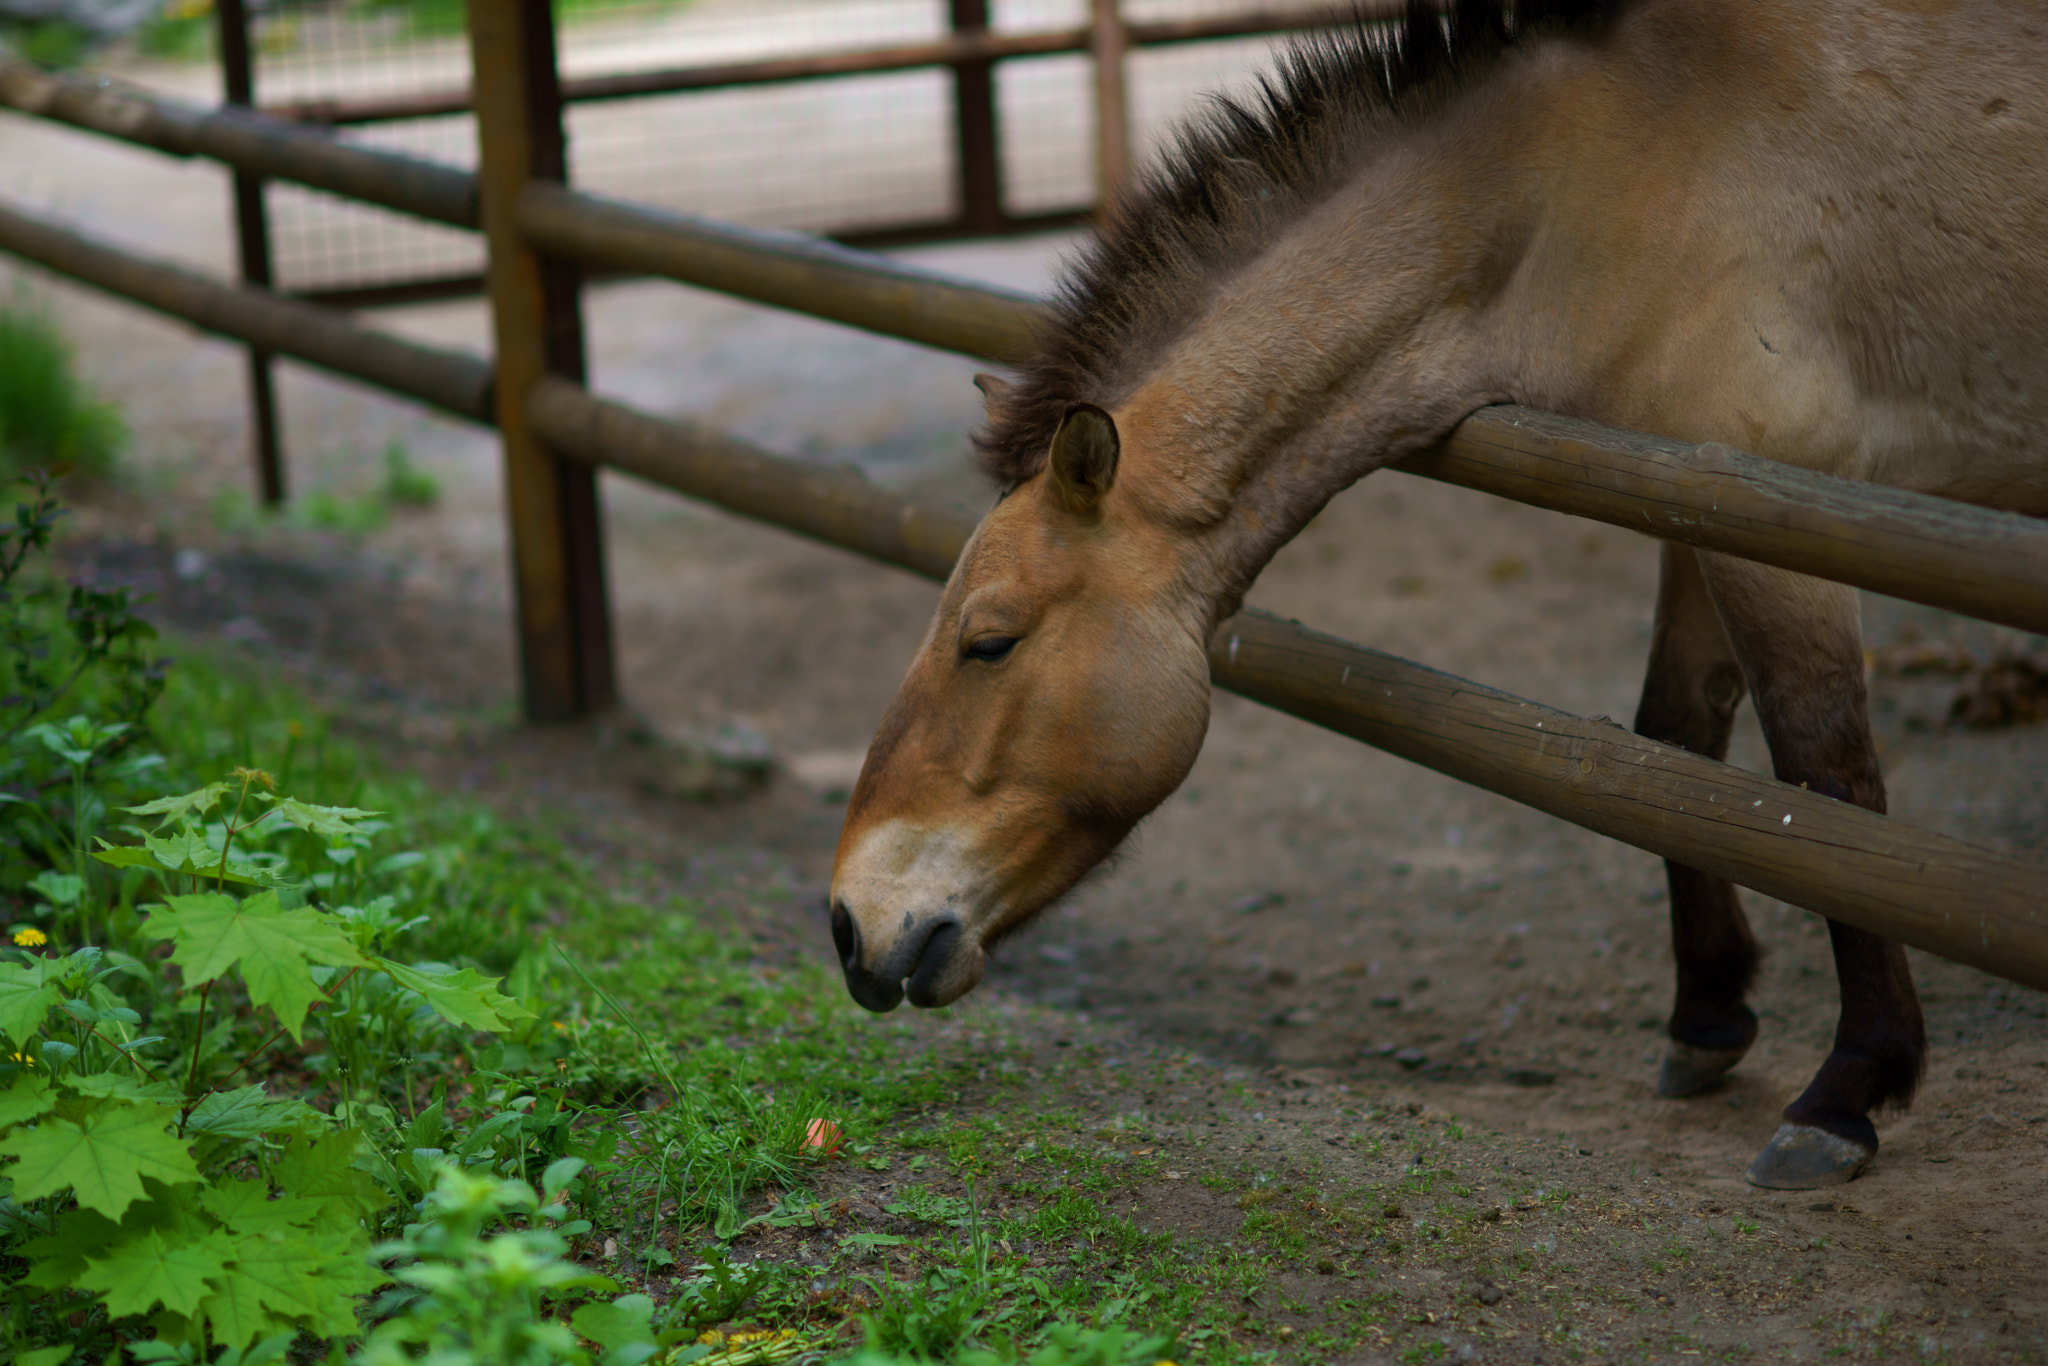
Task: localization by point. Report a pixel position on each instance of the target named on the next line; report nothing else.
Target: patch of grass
(48, 418)
(53, 44)
(362, 978)
(406, 485)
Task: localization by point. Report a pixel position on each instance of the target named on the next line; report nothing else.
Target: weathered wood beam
(250, 142)
(448, 380)
(785, 269)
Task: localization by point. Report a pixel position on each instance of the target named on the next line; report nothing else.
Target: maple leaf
(249, 1112)
(183, 806)
(27, 1098)
(103, 1159)
(25, 1001)
(138, 1276)
(236, 1315)
(275, 948)
(188, 853)
(246, 1207)
(55, 1259)
(335, 822)
(464, 997)
(324, 1168)
(284, 1268)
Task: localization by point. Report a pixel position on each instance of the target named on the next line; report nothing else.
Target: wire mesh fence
(870, 156)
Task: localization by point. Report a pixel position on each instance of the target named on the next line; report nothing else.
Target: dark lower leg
(1880, 1041)
(1716, 956)
(1690, 694)
(1801, 646)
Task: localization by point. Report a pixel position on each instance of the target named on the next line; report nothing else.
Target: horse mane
(1232, 178)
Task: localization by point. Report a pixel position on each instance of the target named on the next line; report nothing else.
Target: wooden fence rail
(1925, 889)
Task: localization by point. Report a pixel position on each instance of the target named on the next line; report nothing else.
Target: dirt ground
(1305, 916)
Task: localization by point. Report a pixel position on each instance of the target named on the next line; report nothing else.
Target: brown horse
(1816, 229)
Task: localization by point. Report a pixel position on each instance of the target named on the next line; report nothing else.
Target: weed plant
(293, 1053)
(48, 419)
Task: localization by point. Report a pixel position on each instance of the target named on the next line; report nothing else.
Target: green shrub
(48, 420)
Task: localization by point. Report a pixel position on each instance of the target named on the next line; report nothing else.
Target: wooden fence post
(551, 503)
(252, 241)
(1110, 42)
(978, 143)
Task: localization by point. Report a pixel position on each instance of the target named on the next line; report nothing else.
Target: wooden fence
(1925, 889)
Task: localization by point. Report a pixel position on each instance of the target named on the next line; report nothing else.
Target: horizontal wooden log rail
(449, 380)
(1922, 888)
(789, 270)
(820, 66)
(246, 141)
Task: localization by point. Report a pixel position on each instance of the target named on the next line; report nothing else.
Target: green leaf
(623, 1322)
(248, 1112)
(184, 806)
(124, 1086)
(465, 997)
(103, 1159)
(284, 1268)
(246, 1207)
(25, 1002)
(148, 1272)
(127, 856)
(44, 1356)
(274, 947)
(29, 1097)
(324, 1168)
(873, 1240)
(59, 889)
(236, 1315)
(185, 853)
(335, 822)
(56, 1259)
(296, 1276)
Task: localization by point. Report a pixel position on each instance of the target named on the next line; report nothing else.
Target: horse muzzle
(931, 961)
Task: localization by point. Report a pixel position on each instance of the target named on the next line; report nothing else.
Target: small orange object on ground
(824, 1135)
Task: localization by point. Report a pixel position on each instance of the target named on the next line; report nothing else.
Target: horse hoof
(1688, 1070)
(1800, 1157)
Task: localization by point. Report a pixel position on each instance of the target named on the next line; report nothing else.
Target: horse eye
(991, 648)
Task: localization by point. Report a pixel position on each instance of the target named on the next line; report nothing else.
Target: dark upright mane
(1231, 180)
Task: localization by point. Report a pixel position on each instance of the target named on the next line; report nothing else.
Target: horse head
(1061, 694)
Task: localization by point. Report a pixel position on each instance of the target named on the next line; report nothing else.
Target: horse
(1814, 229)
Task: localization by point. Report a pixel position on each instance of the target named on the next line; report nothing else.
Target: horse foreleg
(1690, 693)
(1800, 643)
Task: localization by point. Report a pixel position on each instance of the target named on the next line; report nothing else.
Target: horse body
(1811, 230)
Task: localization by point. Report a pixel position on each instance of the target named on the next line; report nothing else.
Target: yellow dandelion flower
(561, 1028)
(31, 937)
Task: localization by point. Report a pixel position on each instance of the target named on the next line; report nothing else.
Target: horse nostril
(845, 937)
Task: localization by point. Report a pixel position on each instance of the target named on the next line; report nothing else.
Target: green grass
(48, 418)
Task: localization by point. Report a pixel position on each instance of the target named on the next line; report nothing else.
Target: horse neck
(1357, 338)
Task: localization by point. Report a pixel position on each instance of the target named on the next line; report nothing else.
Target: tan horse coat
(1814, 229)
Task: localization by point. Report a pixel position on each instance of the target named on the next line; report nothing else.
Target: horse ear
(1082, 464)
(995, 390)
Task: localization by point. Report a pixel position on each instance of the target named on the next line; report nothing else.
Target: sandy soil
(1304, 908)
